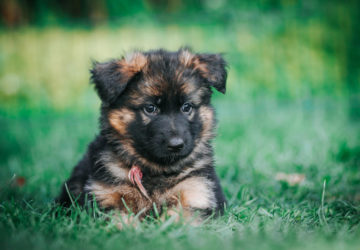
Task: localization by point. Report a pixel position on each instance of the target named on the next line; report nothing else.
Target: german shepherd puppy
(156, 126)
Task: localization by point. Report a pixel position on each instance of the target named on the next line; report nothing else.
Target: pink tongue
(135, 176)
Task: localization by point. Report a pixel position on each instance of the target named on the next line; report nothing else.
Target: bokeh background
(288, 145)
(285, 48)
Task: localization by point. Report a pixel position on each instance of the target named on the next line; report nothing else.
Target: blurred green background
(292, 107)
(284, 48)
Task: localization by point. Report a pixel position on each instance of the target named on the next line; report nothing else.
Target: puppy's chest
(194, 191)
(159, 184)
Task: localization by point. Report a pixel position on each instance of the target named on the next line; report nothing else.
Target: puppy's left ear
(211, 67)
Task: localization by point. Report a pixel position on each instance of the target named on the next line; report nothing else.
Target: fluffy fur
(155, 114)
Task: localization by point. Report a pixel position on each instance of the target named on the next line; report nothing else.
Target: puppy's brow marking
(188, 88)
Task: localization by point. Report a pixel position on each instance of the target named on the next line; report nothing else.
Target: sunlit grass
(53, 64)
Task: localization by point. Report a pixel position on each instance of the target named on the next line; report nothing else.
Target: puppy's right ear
(111, 78)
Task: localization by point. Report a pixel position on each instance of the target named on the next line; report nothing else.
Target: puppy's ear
(211, 67)
(111, 78)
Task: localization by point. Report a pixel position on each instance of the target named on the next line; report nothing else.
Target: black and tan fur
(184, 178)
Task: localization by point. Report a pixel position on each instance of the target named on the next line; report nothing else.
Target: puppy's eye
(150, 109)
(186, 108)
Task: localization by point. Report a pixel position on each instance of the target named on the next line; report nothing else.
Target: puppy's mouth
(170, 156)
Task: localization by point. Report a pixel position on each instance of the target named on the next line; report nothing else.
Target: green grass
(286, 110)
(256, 140)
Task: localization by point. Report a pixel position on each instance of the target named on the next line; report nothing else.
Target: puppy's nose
(175, 144)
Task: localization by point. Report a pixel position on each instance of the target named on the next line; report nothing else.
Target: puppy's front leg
(196, 198)
(120, 197)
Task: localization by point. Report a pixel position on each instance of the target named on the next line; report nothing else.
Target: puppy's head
(157, 104)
